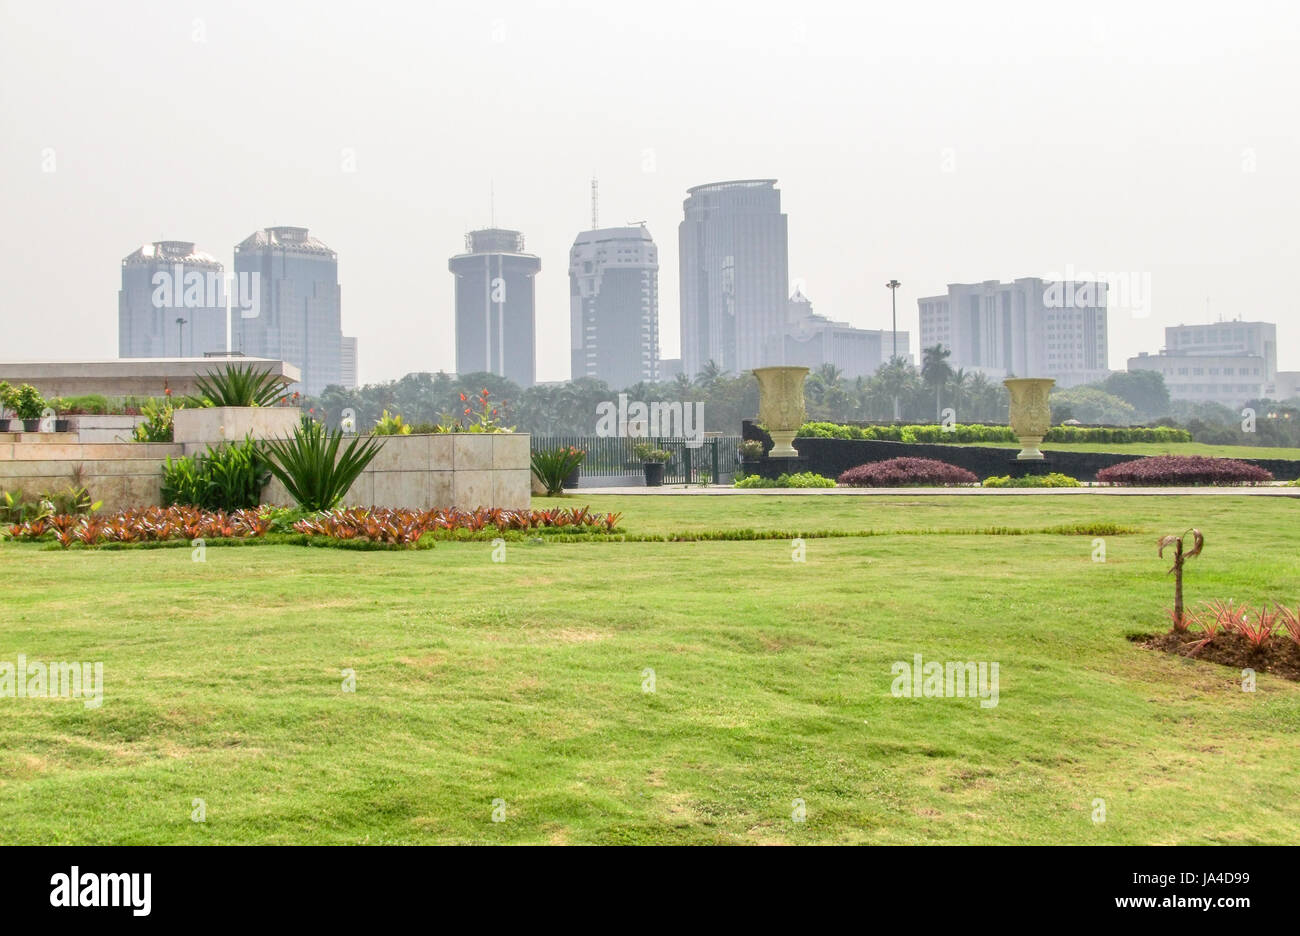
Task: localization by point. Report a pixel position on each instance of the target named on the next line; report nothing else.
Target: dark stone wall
(832, 457)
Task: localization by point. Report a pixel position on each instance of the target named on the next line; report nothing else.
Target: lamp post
(180, 331)
(892, 286)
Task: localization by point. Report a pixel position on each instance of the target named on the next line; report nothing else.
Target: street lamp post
(893, 285)
(180, 331)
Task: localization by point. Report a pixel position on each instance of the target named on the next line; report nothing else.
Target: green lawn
(523, 681)
(1161, 448)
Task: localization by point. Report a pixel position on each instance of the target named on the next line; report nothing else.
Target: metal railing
(716, 459)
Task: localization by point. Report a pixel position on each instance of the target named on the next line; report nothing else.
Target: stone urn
(1031, 414)
(780, 406)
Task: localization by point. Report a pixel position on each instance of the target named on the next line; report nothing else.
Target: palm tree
(935, 372)
(709, 374)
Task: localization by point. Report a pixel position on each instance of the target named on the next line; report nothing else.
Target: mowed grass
(523, 682)
(1162, 448)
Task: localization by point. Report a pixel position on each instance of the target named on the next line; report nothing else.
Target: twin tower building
(283, 300)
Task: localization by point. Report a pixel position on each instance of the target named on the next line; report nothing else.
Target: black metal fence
(714, 460)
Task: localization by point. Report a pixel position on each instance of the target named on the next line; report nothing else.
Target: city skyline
(1190, 190)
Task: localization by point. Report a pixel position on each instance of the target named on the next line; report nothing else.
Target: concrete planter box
(198, 428)
(465, 470)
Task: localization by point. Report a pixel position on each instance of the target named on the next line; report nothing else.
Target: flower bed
(1183, 469)
(1266, 640)
(907, 472)
(373, 524)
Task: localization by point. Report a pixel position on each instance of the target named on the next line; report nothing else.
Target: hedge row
(959, 433)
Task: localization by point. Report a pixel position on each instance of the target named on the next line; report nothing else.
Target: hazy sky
(932, 142)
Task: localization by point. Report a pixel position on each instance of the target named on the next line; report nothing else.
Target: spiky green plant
(313, 469)
(237, 385)
(1180, 557)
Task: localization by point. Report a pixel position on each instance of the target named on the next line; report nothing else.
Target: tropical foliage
(313, 469)
(553, 466)
(228, 477)
(240, 385)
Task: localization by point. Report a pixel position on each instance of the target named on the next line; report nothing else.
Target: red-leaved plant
(1183, 469)
(907, 472)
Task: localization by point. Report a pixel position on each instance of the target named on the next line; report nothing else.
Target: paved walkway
(1277, 491)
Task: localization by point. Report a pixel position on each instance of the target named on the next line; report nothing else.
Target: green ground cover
(523, 681)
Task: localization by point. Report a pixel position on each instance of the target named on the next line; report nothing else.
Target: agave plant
(1180, 557)
(313, 469)
(240, 386)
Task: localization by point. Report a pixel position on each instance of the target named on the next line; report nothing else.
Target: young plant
(241, 386)
(1180, 557)
(648, 453)
(552, 466)
(1290, 620)
(157, 425)
(28, 403)
(1258, 629)
(236, 475)
(313, 469)
(390, 425)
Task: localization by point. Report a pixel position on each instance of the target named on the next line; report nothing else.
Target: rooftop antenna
(595, 204)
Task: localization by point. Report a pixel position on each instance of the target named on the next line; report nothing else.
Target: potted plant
(751, 451)
(28, 404)
(652, 461)
(6, 403)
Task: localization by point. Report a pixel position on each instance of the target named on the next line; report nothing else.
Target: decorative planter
(571, 481)
(780, 406)
(654, 474)
(31, 425)
(1031, 414)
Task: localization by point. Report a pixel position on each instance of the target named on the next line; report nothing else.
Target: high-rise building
(812, 340)
(734, 274)
(1026, 328)
(1222, 362)
(165, 281)
(496, 306)
(297, 315)
(614, 306)
(348, 367)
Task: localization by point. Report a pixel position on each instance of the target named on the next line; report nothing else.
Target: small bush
(313, 469)
(907, 472)
(390, 424)
(803, 479)
(1183, 469)
(552, 466)
(1053, 480)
